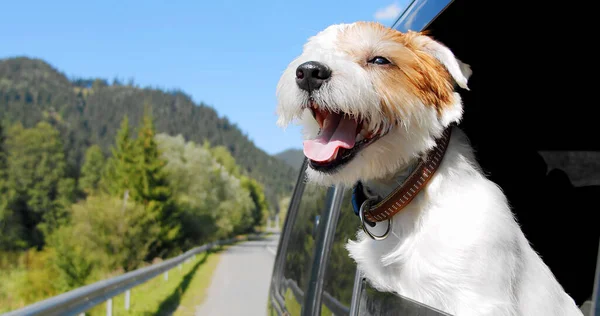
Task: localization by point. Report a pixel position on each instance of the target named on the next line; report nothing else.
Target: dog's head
(370, 99)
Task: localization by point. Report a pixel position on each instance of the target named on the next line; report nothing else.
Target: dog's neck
(381, 188)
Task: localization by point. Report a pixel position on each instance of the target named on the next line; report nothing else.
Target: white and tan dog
(372, 102)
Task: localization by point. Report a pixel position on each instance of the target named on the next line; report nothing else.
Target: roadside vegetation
(154, 197)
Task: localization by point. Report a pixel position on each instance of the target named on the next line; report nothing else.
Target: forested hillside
(89, 111)
(293, 157)
(97, 179)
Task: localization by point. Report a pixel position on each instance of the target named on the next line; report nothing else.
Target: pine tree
(91, 170)
(152, 188)
(119, 171)
(3, 171)
(2, 154)
(10, 227)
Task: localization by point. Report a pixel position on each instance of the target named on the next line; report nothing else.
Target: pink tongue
(336, 132)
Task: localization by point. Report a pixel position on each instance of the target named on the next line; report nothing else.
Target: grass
(325, 311)
(179, 295)
(294, 308)
(9, 287)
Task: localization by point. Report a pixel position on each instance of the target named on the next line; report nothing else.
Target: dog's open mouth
(340, 138)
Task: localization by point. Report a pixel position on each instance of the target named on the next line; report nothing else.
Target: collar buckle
(365, 206)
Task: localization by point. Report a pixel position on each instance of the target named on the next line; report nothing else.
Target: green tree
(213, 202)
(11, 236)
(66, 192)
(151, 188)
(260, 209)
(91, 171)
(99, 84)
(3, 163)
(224, 157)
(119, 170)
(70, 256)
(36, 165)
(188, 167)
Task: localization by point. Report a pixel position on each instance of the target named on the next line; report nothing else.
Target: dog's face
(370, 99)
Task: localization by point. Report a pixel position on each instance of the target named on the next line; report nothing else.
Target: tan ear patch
(412, 74)
(419, 73)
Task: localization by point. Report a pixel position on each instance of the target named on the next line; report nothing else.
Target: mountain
(293, 157)
(89, 111)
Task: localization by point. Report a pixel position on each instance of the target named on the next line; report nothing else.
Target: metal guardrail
(336, 307)
(82, 299)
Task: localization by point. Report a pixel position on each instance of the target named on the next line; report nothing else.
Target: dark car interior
(529, 118)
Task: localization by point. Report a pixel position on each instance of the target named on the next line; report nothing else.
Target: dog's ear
(459, 71)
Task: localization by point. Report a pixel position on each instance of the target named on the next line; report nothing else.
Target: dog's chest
(426, 257)
(424, 268)
(417, 269)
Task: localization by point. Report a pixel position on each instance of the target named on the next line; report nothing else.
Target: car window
(419, 14)
(340, 269)
(300, 247)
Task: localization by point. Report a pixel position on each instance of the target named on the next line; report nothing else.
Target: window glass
(419, 14)
(300, 248)
(340, 270)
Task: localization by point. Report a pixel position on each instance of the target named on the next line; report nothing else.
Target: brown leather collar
(416, 181)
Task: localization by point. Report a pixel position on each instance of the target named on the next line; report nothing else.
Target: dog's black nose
(311, 75)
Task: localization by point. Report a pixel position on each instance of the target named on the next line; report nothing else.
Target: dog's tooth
(334, 157)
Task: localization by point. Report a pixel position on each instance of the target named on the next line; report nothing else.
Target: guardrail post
(166, 275)
(127, 299)
(109, 307)
(180, 267)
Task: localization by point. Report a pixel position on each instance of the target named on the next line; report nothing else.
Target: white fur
(348, 90)
(456, 246)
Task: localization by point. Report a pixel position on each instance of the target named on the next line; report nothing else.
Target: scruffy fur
(457, 246)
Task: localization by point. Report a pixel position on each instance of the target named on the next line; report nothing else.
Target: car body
(545, 171)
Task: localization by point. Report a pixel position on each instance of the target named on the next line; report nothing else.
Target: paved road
(240, 283)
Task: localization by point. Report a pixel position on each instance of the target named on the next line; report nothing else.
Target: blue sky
(227, 54)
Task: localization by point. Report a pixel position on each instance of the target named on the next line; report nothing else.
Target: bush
(40, 279)
(115, 233)
(72, 257)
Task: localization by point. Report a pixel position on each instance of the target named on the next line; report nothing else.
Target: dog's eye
(378, 60)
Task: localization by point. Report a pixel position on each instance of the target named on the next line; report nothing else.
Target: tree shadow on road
(170, 304)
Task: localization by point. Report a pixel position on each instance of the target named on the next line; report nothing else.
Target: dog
(377, 104)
